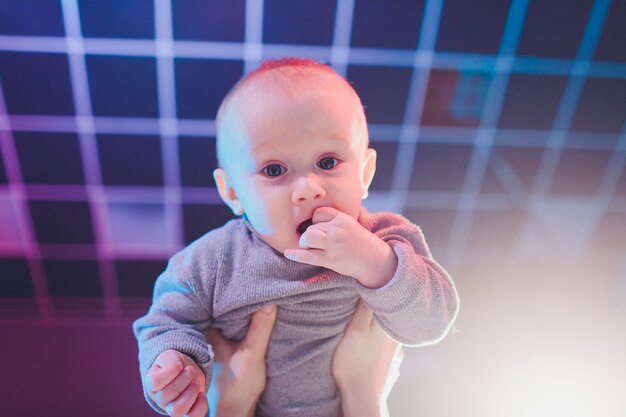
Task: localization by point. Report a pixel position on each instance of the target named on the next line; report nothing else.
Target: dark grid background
(500, 128)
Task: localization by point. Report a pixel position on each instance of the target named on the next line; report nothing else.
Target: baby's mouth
(303, 226)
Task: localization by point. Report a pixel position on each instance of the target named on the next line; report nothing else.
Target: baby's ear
(227, 192)
(369, 168)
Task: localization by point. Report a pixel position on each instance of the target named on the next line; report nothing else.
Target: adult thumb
(260, 330)
(362, 319)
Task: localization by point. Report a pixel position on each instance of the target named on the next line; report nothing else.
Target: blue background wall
(500, 128)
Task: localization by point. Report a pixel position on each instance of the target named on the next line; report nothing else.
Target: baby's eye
(274, 170)
(327, 163)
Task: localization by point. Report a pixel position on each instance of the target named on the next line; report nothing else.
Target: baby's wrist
(379, 268)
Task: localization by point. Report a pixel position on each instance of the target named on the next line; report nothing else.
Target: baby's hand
(176, 383)
(339, 242)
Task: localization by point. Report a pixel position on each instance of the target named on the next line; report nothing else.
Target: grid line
(18, 195)
(357, 55)
(168, 128)
(604, 198)
(201, 195)
(558, 134)
(409, 133)
(486, 131)
(90, 160)
(386, 133)
(253, 46)
(340, 55)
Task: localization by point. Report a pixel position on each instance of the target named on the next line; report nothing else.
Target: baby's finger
(182, 404)
(324, 214)
(306, 256)
(158, 377)
(169, 357)
(175, 388)
(313, 239)
(200, 407)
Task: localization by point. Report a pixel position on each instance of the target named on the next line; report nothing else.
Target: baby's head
(292, 137)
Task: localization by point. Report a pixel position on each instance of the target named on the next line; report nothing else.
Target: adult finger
(221, 347)
(388, 348)
(398, 356)
(260, 329)
(181, 405)
(394, 367)
(362, 318)
(313, 239)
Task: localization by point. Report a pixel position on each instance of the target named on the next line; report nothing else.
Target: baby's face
(287, 156)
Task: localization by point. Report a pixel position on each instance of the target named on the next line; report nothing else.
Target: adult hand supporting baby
(339, 242)
(365, 366)
(240, 375)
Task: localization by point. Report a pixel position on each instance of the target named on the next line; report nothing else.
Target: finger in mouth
(303, 226)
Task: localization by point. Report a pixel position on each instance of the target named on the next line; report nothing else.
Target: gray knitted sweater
(223, 277)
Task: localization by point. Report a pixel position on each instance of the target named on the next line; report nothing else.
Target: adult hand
(239, 372)
(366, 365)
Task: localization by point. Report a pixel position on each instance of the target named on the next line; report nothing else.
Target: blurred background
(500, 129)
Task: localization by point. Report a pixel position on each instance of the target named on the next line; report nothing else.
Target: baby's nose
(307, 189)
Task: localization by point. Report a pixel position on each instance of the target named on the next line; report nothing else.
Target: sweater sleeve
(419, 304)
(179, 316)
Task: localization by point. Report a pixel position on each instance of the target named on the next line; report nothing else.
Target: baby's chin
(291, 243)
(281, 244)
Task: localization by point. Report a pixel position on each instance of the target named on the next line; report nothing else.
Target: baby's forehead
(265, 92)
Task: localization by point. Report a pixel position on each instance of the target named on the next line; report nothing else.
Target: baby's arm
(177, 321)
(411, 296)
(420, 303)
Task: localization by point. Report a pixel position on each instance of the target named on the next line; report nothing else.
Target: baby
(292, 146)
